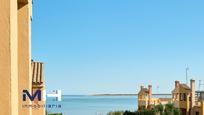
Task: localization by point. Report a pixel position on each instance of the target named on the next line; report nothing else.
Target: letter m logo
(32, 97)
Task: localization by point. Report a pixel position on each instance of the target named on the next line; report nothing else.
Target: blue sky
(114, 46)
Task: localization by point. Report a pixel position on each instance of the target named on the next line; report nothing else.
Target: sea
(91, 105)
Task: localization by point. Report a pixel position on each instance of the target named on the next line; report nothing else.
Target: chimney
(141, 87)
(177, 84)
(150, 90)
(192, 93)
(149, 94)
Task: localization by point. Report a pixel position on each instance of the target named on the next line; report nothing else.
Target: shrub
(116, 113)
(160, 109)
(55, 114)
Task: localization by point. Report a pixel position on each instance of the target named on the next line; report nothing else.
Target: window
(183, 96)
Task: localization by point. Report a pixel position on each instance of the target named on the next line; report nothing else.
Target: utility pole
(200, 84)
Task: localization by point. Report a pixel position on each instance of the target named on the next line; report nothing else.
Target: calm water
(93, 105)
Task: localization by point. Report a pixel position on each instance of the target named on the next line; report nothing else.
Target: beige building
(184, 97)
(187, 99)
(146, 101)
(15, 56)
(38, 83)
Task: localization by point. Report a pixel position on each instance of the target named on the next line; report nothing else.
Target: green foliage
(171, 110)
(129, 113)
(144, 112)
(177, 111)
(55, 114)
(160, 109)
(116, 113)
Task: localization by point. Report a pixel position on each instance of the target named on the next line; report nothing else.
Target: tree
(159, 109)
(171, 110)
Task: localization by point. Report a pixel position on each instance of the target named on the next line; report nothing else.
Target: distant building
(146, 101)
(187, 99)
(184, 97)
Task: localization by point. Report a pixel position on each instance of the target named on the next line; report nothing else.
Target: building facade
(147, 101)
(187, 99)
(15, 56)
(184, 97)
(38, 83)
